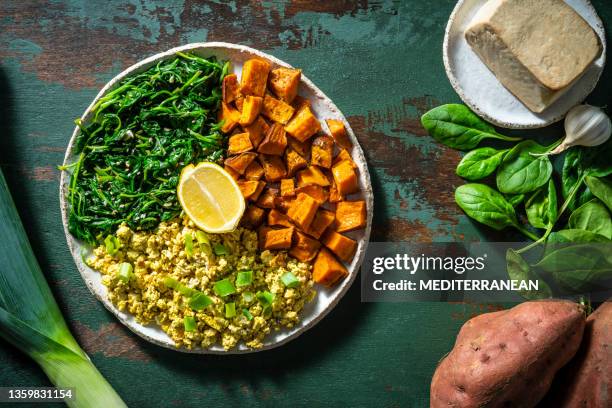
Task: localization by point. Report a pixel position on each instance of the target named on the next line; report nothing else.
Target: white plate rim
(366, 190)
(455, 83)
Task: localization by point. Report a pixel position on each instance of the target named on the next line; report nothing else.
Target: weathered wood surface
(380, 61)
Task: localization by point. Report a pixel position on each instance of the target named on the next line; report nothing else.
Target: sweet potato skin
(508, 358)
(587, 380)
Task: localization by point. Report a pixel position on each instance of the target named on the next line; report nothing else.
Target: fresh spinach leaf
(601, 188)
(479, 163)
(515, 199)
(521, 172)
(456, 126)
(518, 269)
(486, 206)
(541, 207)
(592, 216)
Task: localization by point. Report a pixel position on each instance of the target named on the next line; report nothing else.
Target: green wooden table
(380, 61)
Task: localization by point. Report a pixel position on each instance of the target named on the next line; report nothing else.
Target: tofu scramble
(203, 289)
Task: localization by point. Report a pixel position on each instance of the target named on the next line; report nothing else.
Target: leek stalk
(31, 320)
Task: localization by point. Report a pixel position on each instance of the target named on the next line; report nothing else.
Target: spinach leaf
(519, 270)
(521, 172)
(602, 189)
(515, 199)
(592, 216)
(541, 207)
(486, 206)
(456, 126)
(479, 163)
(585, 161)
(596, 160)
(576, 236)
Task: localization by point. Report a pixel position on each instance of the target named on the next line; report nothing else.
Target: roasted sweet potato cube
(294, 161)
(303, 125)
(240, 162)
(239, 143)
(239, 102)
(344, 155)
(303, 148)
(277, 218)
(343, 247)
(322, 151)
(275, 141)
(274, 168)
(250, 109)
(304, 248)
(334, 195)
(299, 102)
(350, 215)
(254, 171)
(235, 175)
(267, 199)
(303, 210)
(312, 175)
(283, 203)
(327, 270)
(345, 178)
(230, 88)
(229, 116)
(279, 238)
(287, 188)
(284, 83)
(261, 235)
(322, 220)
(338, 132)
(257, 131)
(248, 188)
(319, 193)
(260, 188)
(276, 109)
(254, 77)
(253, 217)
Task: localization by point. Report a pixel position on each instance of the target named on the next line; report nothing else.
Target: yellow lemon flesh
(210, 197)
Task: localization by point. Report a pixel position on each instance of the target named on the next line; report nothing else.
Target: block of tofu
(536, 49)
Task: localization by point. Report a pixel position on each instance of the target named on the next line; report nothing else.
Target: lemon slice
(210, 197)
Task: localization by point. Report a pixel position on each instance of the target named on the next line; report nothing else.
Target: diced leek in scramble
(202, 296)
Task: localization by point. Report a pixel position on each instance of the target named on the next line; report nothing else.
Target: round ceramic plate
(324, 108)
(485, 95)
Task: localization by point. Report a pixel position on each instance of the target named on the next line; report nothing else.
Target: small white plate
(326, 298)
(486, 96)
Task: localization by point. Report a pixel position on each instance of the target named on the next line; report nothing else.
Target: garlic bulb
(585, 125)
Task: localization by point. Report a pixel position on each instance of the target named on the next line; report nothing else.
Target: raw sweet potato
(275, 141)
(338, 132)
(317, 192)
(239, 143)
(343, 247)
(350, 215)
(277, 218)
(257, 130)
(303, 125)
(287, 188)
(312, 175)
(279, 239)
(266, 200)
(294, 161)
(304, 248)
(229, 116)
(230, 88)
(508, 358)
(587, 380)
(253, 216)
(322, 151)
(254, 77)
(274, 168)
(284, 83)
(254, 171)
(276, 109)
(303, 210)
(327, 270)
(345, 178)
(322, 220)
(250, 109)
(241, 162)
